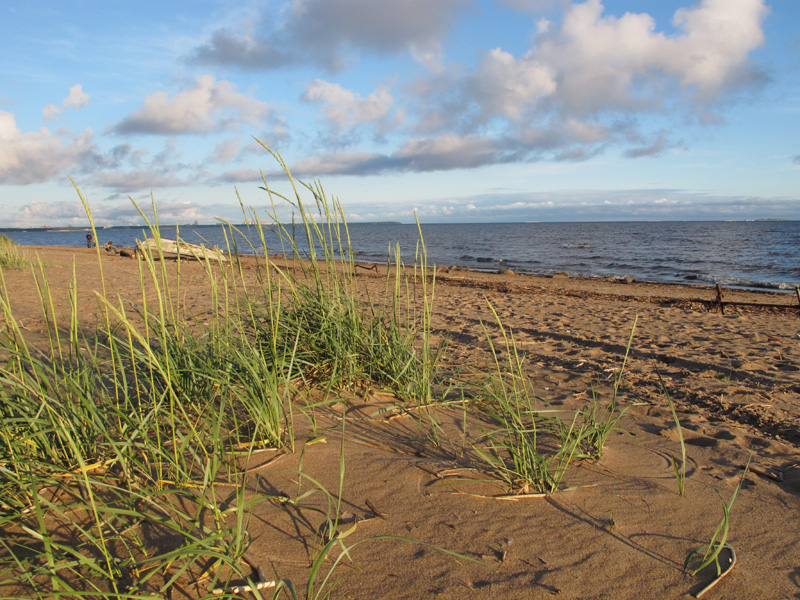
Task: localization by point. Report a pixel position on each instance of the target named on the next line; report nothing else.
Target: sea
(739, 254)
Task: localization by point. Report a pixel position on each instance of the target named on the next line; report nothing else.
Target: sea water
(747, 254)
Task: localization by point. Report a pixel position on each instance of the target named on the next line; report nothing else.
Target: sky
(453, 110)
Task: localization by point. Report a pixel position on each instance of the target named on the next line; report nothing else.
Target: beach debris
(373, 267)
(427, 470)
(180, 248)
(720, 303)
(731, 564)
(508, 497)
(768, 474)
(374, 510)
(261, 584)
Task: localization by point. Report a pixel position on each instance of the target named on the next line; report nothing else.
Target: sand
(620, 529)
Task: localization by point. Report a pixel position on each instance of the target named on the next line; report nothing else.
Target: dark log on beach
(719, 303)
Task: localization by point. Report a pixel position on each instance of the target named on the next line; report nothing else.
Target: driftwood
(373, 267)
(180, 248)
(721, 304)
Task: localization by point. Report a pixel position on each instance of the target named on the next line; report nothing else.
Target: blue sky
(458, 110)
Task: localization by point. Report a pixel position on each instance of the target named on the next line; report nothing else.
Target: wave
(743, 282)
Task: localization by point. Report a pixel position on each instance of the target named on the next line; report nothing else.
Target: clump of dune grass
(344, 339)
(534, 445)
(10, 255)
(518, 449)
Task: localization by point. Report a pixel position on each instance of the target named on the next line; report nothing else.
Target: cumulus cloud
(504, 86)
(209, 105)
(347, 110)
(76, 99)
(322, 31)
(125, 169)
(38, 156)
(612, 63)
(586, 79)
(712, 53)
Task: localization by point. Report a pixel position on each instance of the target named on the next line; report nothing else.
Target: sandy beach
(617, 528)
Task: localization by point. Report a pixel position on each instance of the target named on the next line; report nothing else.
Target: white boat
(185, 249)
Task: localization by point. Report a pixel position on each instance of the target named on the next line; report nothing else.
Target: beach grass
(121, 440)
(679, 468)
(597, 421)
(516, 451)
(11, 257)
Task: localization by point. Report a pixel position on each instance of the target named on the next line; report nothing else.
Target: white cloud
(345, 109)
(210, 105)
(503, 86)
(719, 34)
(585, 81)
(585, 132)
(623, 63)
(76, 99)
(657, 147)
(38, 156)
(430, 56)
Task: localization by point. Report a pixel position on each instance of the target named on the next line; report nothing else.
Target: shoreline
(680, 295)
(772, 274)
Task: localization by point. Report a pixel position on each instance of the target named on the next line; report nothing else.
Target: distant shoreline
(69, 228)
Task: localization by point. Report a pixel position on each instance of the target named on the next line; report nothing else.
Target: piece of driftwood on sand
(169, 247)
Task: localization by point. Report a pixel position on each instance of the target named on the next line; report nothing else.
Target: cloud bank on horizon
(459, 109)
